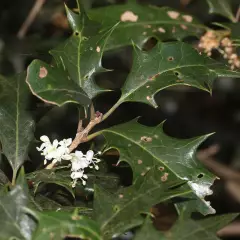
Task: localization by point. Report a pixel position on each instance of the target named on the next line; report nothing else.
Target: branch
(30, 18)
(82, 135)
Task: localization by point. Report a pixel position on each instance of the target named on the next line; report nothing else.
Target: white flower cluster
(58, 151)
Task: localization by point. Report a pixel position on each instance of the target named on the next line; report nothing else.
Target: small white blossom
(78, 175)
(54, 152)
(80, 162)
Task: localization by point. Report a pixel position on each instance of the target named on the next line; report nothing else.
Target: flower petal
(44, 138)
(89, 155)
(55, 143)
(79, 154)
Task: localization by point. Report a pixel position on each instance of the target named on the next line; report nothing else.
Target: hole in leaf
(170, 58)
(200, 175)
(176, 73)
(76, 33)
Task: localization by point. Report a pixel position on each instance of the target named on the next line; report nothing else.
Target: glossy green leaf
(76, 62)
(14, 221)
(17, 128)
(170, 64)
(62, 178)
(121, 211)
(143, 147)
(59, 225)
(186, 229)
(148, 231)
(141, 22)
(56, 87)
(222, 7)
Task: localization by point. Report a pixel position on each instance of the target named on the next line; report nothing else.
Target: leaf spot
(98, 49)
(161, 30)
(200, 175)
(173, 14)
(164, 177)
(146, 139)
(161, 169)
(120, 195)
(170, 59)
(140, 161)
(148, 98)
(173, 29)
(43, 72)
(187, 18)
(184, 27)
(76, 33)
(148, 168)
(144, 33)
(147, 86)
(143, 174)
(128, 16)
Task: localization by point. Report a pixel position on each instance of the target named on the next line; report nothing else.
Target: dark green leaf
(189, 229)
(148, 232)
(141, 22)
(56, 87)
(222, 7)
(59, 225)
(62, 177)
(17, 125)
(170, 64)
(14, 221)
(77, 60)
(143, 147)
(121, 211)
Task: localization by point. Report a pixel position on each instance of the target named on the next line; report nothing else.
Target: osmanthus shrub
(88, 201)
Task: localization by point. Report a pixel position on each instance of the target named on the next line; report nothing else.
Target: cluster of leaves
(164, 169)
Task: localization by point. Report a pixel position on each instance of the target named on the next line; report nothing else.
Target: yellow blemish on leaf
(161, 30)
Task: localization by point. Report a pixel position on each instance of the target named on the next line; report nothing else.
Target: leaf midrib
(124, 96)
(140, 196)
(145, 149)
(81, 226)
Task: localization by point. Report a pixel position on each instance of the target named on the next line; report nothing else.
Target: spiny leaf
(143, 147)
(222, 7)
(59, 225)
(141, 22)
(170, 64)
(189, 229)
(15, 223)
(120, 212)
(77, 60)
(17, 125)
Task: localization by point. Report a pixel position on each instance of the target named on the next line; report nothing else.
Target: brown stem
(30, 18)
(82, 135)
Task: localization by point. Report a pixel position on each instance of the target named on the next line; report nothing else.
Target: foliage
(50, 202)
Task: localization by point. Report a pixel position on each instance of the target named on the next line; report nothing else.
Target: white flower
(54, 152)
(78, 175)
(80, 162)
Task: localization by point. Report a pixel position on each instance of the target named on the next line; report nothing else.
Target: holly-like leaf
(17, 128)
(54, 86)
(148, 232)
(141, 22)
(62, 178)
(222, 7)
(76, 62)
(143, 147)
(170, 64)
(60, 225)
(189, 229)
(121, 211)
(15, 223)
